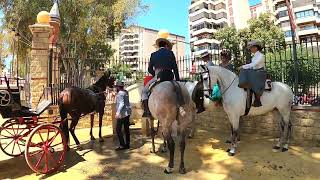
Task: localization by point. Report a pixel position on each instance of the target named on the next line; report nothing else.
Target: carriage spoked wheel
(45, 149)
(5, 98)
(13, 138)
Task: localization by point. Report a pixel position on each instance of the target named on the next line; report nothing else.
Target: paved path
(205, 159)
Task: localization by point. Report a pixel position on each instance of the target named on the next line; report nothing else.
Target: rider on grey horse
(253, 75)
(162, 63)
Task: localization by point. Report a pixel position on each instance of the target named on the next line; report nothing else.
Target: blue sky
(169, 14)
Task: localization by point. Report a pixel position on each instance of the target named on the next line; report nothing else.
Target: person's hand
(117, 116)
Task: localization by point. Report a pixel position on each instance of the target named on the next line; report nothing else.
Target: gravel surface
(205, 159)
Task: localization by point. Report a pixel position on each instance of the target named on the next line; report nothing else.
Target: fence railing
(279, 63)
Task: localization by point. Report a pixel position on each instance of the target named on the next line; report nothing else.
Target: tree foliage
(90, 24)
(261, 28)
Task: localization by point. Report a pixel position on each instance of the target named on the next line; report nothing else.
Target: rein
(210, 85)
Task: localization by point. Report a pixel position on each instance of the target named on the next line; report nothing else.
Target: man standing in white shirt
(253, 75)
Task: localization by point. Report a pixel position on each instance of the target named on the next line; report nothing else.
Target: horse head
(106, 80)
(208, 78)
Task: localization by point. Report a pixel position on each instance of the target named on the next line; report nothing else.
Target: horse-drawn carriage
(26, 132)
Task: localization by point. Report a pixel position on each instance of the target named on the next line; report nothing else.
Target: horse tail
(62, 109)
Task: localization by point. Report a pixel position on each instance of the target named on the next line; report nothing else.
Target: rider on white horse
(253, 75)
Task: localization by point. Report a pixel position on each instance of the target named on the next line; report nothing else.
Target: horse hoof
(163, 150)
(101, 140)
(168, 170)
(275, 148)
(182, 171)
(190, 136)
(153, 151)
(68, 148)
(228, 141)
(231, 154)
(228, 150)
(284, 149)
(92, 138)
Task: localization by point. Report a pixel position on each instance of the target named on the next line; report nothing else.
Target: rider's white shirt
(257, 62)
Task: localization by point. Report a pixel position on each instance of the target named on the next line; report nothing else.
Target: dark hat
(119, 84)
(204, 54)
(254, 43)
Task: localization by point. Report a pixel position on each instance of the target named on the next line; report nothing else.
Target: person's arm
(120, 99)
(175, 68)
(259, 60)
(150, 68)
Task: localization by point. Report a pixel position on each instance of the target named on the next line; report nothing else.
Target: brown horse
(78, 102)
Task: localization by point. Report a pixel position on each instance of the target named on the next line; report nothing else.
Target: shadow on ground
(205, 158)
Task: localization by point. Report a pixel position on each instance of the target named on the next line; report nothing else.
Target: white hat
(254, 43)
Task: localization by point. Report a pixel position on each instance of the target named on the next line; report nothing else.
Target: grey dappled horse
(163, 106)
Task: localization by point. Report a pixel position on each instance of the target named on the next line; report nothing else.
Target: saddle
(250, 94)
(177, 89)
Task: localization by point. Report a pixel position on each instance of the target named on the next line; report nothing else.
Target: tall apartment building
(306, 15)
(265, 6)
(136, 43)
(207, 16)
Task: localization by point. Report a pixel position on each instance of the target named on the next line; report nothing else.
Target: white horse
(234, 103)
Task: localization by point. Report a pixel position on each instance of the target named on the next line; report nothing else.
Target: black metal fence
(279, 63)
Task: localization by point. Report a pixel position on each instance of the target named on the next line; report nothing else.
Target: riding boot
(199, 105)
(257, 102)
(146, 112)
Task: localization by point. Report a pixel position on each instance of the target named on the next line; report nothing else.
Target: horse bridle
(201, 79)
(210, 89)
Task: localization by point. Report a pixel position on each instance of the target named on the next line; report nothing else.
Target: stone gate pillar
(39, 60)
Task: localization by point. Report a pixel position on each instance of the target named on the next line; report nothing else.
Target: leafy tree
(89, 24)
(261, 28)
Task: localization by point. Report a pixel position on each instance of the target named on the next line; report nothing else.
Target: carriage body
(26, 132)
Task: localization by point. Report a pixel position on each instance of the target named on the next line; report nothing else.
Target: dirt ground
(205, 159)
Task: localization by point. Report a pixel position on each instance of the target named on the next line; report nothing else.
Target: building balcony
(209, 11)
(203, 31)
(305, 32)
(307, 20)
(282, 19)
(206, 41)
(277, 1)
(215, 21)
(129, 51)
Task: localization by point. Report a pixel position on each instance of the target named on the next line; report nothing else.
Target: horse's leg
(74, 122)
(171, 146)
(164, 148)
(153, 133)
(231, 135)
(91, 123)
(65, 130)
(281, 129)
(101, 113)
(287, 130)
(182, 169)
(235, 130)
(193, 124)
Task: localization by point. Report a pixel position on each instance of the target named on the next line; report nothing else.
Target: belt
(163, 69)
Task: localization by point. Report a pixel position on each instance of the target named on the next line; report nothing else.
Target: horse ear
(107, 73)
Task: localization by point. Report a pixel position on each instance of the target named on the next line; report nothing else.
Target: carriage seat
(27, 112)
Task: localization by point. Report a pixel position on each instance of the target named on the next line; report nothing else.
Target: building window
(285, 24)
(304, 14)
(307, 27)
(288, 34)
(283, 13)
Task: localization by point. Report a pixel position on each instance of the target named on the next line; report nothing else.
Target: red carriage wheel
(13, 137)
(45, 149)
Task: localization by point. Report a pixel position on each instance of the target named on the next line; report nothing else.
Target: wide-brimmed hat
(119, 84)
(254, 43)
(163, 36)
